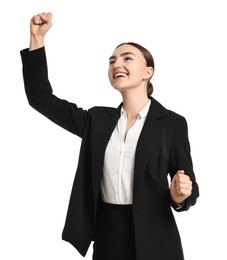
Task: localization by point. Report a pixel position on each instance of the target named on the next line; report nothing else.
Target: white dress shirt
(119, 160)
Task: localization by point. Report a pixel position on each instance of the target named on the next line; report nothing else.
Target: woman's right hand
(39, 26)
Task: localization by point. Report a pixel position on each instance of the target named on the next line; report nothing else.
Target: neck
(133, 102)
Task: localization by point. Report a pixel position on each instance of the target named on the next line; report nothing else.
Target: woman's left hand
(180, 187)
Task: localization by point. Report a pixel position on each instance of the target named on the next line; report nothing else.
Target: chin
(120, 89)
(120, 86)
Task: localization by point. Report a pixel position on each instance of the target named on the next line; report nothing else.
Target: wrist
(36, 42)
(177, 202)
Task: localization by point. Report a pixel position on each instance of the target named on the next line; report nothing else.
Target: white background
(38, 159)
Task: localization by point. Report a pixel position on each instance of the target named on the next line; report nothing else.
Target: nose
(117, 63)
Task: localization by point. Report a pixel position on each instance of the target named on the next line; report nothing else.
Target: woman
(120, 199)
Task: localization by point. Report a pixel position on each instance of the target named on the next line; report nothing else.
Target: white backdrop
(39, 159)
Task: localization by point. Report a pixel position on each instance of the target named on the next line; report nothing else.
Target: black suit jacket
(163, 148)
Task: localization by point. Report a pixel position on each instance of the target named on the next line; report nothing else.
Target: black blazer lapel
(101, 133)
(149, 139)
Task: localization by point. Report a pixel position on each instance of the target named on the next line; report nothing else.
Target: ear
(148, 73)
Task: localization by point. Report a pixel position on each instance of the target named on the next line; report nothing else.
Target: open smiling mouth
(120, 75)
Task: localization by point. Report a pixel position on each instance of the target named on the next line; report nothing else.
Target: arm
(183, 189)
(37, 86)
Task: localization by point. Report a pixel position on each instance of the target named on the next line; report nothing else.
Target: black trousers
(114, 237)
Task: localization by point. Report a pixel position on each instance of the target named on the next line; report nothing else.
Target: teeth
(119, 75)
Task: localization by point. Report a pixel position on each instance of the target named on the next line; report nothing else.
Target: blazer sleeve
(180, 159)
(40, 94)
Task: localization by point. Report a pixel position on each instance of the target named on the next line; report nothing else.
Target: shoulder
(175, 117)
(99, 110)
(164, 114)
(168, 118)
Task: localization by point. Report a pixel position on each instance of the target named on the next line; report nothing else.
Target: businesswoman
(121, 198)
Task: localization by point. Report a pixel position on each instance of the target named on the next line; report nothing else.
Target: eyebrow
(122, 54)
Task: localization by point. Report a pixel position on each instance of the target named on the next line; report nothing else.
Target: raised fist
(40, 24)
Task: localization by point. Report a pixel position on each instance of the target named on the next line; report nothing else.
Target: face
(128, 69)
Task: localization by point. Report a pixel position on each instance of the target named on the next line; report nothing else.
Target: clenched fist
(39, 26)
(180, 187)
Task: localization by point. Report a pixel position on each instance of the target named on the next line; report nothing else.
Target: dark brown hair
(149, 62)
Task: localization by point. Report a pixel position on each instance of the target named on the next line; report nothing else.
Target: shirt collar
(142, 113)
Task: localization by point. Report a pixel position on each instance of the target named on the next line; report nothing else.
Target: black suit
(163, 148)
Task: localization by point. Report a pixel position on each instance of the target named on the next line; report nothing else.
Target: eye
(111, 62)
(127, 58)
